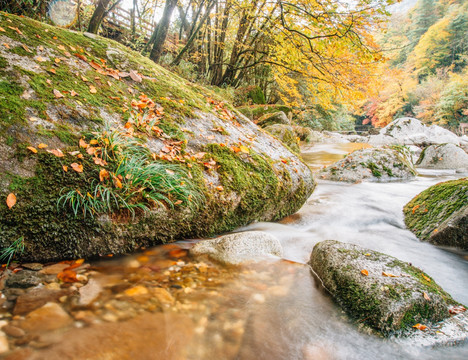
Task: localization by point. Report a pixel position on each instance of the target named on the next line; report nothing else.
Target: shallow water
(271, 310)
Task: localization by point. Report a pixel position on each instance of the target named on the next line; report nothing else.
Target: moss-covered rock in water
(273, 118)
(439, 214)
(286, 134)
(373, 164)
(138, 123)
(378, 290)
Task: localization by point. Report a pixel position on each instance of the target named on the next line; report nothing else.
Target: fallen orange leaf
(32, 149)
(364, 272)
(388, 274)
(457, 309)
(103, 175)
(42, 146)
(77, 167)
(11, 200)
(426, 296)
(56, 152)
(67, 276)
(420, 326)
(73, 93)
(65, 168)
(426, 278)
(177, 253)
(83, 144)
(92, 89)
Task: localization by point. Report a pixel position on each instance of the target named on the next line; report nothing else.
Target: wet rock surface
(273, 118)
(240, 247)
(445, 156)
(286, 134)
(372, 164)
(378, 290)
(411, 131)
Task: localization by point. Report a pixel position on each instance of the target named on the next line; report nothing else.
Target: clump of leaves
(16, 248)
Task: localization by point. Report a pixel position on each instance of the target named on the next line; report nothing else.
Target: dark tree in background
(102, 9)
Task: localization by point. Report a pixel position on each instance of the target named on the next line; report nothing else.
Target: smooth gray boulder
(237, 248)
(411, 131)
(278, 117)
(378, 290)
(445, 156)
(286, 134)
(372, 164)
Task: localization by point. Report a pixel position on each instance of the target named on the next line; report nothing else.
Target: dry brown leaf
(135, 76)
(58, 94)
(48, 81)
(6, 45)
(364, 272)
(77, 167)
(457, 309)
(32, 149)
(57, 60)
(73, 93)
(56, 152)
(83, 144)
(67, 276)
(388, 274)
(2, 29)
(40, 59)
(92, 89)
(26, 48)
(61, 47)
(11, 200)
(91, 150)
(426, 296)
(99, 161)
(84, 79)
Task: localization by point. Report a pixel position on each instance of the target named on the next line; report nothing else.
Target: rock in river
(439, 214)
(240, 247)
(378, 290)
(373, 164)
(445, 156)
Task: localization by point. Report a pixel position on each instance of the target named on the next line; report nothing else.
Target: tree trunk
(160, 33)
(217, 66)
(98, 15)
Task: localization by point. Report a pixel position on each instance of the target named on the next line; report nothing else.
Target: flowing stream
(270, 310)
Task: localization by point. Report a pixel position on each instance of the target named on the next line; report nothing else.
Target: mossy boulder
(286, 134)
(375, 164)
(219, 171)
(439, 214)
(272, 119)
(445, 156)
(254, 112)
(378, 290)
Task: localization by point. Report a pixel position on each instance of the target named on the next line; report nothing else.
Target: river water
(270, 310)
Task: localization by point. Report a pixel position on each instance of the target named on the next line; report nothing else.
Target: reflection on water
(172, 306)
(318, 156)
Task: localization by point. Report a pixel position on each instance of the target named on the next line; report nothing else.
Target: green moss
(374, 168)
(11, 106)
(19, 50)
(256, 111)
(425, 212)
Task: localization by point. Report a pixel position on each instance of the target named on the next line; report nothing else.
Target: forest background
(338, 64)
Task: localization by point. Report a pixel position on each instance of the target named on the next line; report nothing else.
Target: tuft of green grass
(16, 248)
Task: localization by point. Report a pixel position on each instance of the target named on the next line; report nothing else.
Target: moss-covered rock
(221, 170)
(373, 164)
(439, 214)
(286, 134)
(254, 112)
(272, 119)
(378, 290)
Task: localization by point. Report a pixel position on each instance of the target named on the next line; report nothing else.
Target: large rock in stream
(439, 214)
(411, 131)
(238, 248)
(378, 290)
(105, 152)
(372, 164)
(445, 156)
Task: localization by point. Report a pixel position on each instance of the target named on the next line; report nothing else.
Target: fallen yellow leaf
(42, 146)
(364, 272)
(32, 149)
(11, 200)
(77, 167)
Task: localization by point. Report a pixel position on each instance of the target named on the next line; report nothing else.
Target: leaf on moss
(11, 200)
(77, 167)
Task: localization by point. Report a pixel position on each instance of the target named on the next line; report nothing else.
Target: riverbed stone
(4, 346)
(90, 292)
(49, 317)
(372, 164)
(240, 247)
(439, 214)
(445, 156)
(23, 279)
(35, 298)
(286, 134)
(378, 290)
